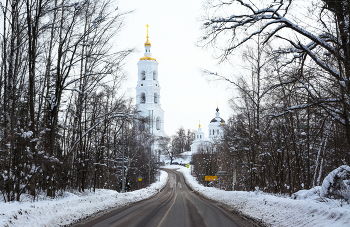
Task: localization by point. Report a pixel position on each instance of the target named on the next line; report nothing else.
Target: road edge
(237, 214)
(81, 221)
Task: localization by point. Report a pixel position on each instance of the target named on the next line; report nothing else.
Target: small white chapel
(216, 132)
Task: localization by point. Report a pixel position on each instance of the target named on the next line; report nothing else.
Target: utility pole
(159, 164)
(234, 174)
(123, 173)
(151, 151)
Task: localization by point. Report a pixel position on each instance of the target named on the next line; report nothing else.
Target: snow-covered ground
(184, 158)
(71, 207)
(305, 208)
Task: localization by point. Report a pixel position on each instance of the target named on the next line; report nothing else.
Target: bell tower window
(143, 75)
(143, 98)
(155, 98)
(158, 123)
(154, 75)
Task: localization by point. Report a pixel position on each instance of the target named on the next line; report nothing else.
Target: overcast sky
(186, 96)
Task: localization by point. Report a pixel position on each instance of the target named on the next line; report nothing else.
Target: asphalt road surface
(175, 206)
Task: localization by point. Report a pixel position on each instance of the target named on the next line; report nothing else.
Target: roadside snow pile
(72, 207)
(304, 208)
(336, 184)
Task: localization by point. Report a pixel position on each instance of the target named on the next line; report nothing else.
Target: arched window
(154, 75)
(155, 98)
(143, 98)
(158, 123)
(213, 132)
(143, 75)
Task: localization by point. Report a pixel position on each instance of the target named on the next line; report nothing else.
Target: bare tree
(60, 78)
(305, 91)
(323, 47)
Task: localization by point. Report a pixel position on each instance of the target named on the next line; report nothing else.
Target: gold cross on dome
(147, 31)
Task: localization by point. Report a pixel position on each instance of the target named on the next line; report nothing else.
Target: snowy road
(176, 206)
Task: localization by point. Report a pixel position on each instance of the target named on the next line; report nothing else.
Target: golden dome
(147, 58)
(147, 43)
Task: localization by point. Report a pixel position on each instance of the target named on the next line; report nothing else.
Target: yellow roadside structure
(211, 178)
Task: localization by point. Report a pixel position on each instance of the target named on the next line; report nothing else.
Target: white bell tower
(148, 91)
(199, 139)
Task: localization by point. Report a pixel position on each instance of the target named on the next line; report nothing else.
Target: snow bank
(72, 207)
(333, 185)
(305, 208)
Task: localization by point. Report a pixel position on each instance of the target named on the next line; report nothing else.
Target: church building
(148, 99)
(216, 132)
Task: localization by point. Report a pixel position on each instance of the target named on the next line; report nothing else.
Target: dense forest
(290, 125)
(63, 120)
